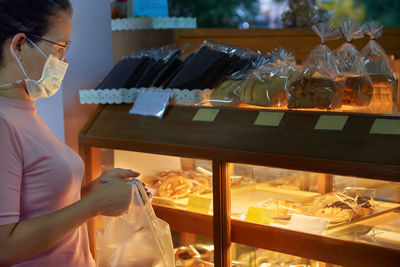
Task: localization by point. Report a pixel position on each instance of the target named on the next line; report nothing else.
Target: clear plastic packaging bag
(266, 85)
(356, 84)
(226, 94)
(315, 86)
(344, 206)
(137, 238)
(380, 70)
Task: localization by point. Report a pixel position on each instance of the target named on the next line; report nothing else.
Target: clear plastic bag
(356, 84)
(344, 206)
(315, 86)
(137, 238)
(266, 85)
(226, 94)
(380, 70)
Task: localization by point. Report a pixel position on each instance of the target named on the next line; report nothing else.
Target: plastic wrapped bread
(356, 84)
(380, 70)
(266, 85)
(316, 85)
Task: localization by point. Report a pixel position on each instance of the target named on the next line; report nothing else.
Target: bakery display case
(234, 182)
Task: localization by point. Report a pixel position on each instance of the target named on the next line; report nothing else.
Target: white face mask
(52, 76)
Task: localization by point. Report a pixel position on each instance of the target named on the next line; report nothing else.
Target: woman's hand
(112, 197)
(117, 173)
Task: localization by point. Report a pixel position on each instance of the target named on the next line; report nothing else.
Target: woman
(42, 206)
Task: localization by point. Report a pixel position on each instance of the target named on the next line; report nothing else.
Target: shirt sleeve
(11, 168)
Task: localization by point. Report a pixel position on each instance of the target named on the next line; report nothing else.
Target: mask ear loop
(19, 62)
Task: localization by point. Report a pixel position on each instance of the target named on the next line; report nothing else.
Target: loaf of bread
(224, 95)
(267, 92)
(358, 91)
(313, 93)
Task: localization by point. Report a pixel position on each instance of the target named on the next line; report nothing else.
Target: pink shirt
(39, 174)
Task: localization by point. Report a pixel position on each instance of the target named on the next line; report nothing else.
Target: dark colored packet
(167, 69)
(177, 70)
(201, 71)
(120, 74)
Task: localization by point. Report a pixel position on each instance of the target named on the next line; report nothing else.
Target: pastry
(224, 95)
(337, 212)
(313, 93)
(185, 256)
(175, 187)
(364, 207)
(267, 92)
(200, 185)
(358, 91)
(205, 254)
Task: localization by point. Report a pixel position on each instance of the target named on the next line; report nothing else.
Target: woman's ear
(17, 43)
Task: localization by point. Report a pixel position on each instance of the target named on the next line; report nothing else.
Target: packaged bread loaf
(380, 70)
(266, 85)
(355, 82)
(315, 86)
(226, 94)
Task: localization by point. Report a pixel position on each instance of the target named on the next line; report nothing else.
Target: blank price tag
(206, 114)
(331, 122)
(259, 215)
(200, 204)
(385, 126)
(309, 224)
(269, 118)
(151, 103)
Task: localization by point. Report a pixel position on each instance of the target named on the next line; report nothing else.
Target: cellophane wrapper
(267, 84)
(354, 80)
(316, 84)
(344, 206)
(380, 70)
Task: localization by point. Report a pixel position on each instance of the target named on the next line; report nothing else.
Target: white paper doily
(123, 95)
(142, 23)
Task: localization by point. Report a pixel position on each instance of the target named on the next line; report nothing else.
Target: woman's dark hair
(32, 17)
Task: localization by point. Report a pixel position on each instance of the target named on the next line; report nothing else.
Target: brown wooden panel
(222, 213)
(317, 247)
(299, 41)
(233, 138)
(186, 221)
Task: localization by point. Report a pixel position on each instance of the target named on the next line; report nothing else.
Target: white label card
(309, 224)
(331, 122)
(206, 114)
(266, 118)
(385, 126)
(151, 103)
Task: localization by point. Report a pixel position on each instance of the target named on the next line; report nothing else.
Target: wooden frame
(233, 138)
(298, 41)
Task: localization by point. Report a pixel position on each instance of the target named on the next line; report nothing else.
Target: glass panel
(385, 191)
(383, 230)
(193, 250)
(359, 209)
(175, 182)
(243, 255)
(255, 186)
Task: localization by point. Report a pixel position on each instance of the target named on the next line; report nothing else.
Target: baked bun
(175, 187)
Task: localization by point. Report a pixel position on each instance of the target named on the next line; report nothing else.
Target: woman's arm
(26, 239)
